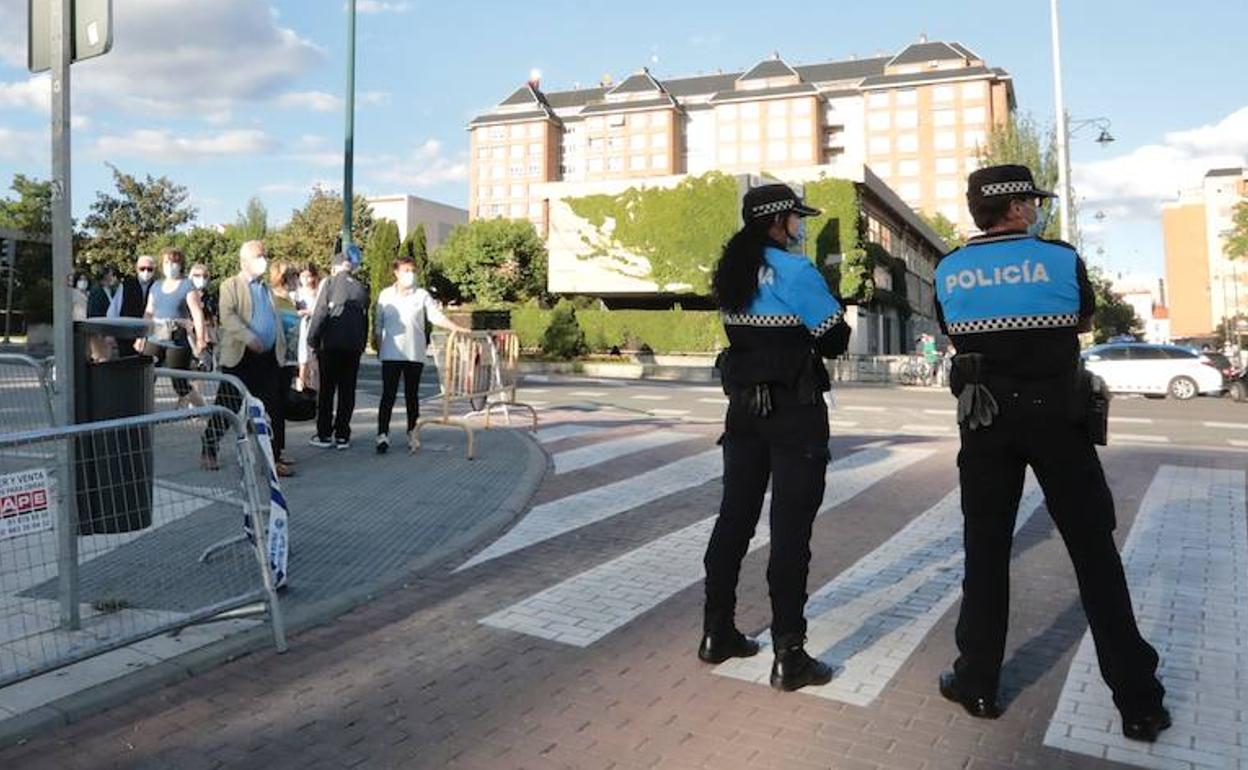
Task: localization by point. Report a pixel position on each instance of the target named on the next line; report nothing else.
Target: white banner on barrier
(279, 513)
(26, 503)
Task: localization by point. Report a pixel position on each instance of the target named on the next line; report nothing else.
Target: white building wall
(407, 211)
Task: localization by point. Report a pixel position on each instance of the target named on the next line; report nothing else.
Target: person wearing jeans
(338, 332)
(400, 316)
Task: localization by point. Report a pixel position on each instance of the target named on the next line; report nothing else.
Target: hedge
(663, 331)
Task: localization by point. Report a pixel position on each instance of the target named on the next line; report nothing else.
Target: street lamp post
(1065, 129)
(348, 152)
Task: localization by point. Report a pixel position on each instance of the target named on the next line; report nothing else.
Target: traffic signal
(8, 251)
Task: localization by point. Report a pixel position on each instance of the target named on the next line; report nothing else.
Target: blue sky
(235, 98)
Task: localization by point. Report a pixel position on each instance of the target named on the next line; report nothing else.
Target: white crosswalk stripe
(560, 432)
(870, 619)
(575, 511)
(1186, 559)
(584, 457)
(583, 609)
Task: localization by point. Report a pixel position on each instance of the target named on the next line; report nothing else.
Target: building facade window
(907, 119)
(909, 190)
(946, 189)
(535, 130)
(944, 117)
(880, 121)
(801, 108)
(908, 143)
(878, 99)
(615, 164)
(906, 97)
(946, 165)
(517, 131)
(778, 150)
(750, 154)
(973, 139)
(972, 92)
(946, 140)
(880, 145)
(637, 163)
(973, 115)
(658, 161)
(908, 168)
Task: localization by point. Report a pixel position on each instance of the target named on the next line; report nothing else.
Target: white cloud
(34, 93)
(317, 101)
(424, 166)
(25, 146)
(182, 57)
(320, 101)
(326, 159)
(163, 146)
(1133, 186)
(311, 141)
(377, 6)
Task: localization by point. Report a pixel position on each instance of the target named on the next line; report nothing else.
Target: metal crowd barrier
(479, 369)
(119, 561)
(25, 393)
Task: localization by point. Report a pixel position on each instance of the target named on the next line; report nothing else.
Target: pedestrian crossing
(868, 621)
(585, 608)
(1186, 559)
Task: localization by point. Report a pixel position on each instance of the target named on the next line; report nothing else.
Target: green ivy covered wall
(680, 230)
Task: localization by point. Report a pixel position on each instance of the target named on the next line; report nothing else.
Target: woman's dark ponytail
(736, 275)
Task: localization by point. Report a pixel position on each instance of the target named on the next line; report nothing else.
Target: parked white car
(1154, 370)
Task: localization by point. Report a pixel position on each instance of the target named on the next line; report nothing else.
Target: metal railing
(118, 561)
(478, 369)
(25, 393)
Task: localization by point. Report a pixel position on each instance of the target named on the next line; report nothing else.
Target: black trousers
(339, 371)
(391, 371)
(790, 448)
(175, 357)
(1035, 427)
(259, 373)
(285, 376)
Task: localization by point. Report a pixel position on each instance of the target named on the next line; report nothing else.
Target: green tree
(416, 248)
(218, 250)
(564, 338)
(143, 209)
(1019, 140)
(310, 234)
(494, 260)
(947, 230)
(1236, 246)
(379, 256)
(30, 212)
(253, 223)
(1113, 316)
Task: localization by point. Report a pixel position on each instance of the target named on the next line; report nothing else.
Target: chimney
(922, 37)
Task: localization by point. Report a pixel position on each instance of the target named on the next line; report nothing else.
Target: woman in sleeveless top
(178, 337)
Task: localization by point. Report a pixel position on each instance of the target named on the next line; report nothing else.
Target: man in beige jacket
(251, 346)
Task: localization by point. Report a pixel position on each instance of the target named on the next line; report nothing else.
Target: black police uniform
(776, 428)
(1013, 305)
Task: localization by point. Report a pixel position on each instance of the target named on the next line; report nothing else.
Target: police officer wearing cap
(1013, 304)
(780, 319)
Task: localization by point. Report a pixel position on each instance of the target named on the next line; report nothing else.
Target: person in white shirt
(401, 312)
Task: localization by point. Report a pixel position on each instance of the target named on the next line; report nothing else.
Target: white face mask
(172, 270)
(199, 282)
(407, 279)
(82, 284)
(258, 266)
(145, 274)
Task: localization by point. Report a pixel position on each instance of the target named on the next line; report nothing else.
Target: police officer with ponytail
(1013, 304)
(780, 320)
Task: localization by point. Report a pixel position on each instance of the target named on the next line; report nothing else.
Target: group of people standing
(289, 337)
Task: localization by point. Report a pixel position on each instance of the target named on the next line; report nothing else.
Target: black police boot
(1147, 727)
(978, 706)
(716, 647)
(794, 669)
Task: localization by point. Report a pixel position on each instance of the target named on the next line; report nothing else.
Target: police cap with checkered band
(1011, 180)
(771, 199)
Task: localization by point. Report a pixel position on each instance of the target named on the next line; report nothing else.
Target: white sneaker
(413, 441)
(341, 443)
(383, 443)
(323, 443)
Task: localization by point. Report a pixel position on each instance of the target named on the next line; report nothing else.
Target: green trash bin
(114, 468)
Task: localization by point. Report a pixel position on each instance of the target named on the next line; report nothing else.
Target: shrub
(563, 337)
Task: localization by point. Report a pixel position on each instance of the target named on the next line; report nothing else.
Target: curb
(73, 708)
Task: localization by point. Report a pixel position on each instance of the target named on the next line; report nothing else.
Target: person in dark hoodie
(338, 333)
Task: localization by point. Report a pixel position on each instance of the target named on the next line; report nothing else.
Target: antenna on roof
(922, 37)
(775, 55)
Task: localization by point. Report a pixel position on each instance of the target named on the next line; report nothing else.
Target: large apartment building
(916, 118)
(1204, 286)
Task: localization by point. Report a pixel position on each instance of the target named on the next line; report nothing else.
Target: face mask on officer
(1039, 219)
(796, 232)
